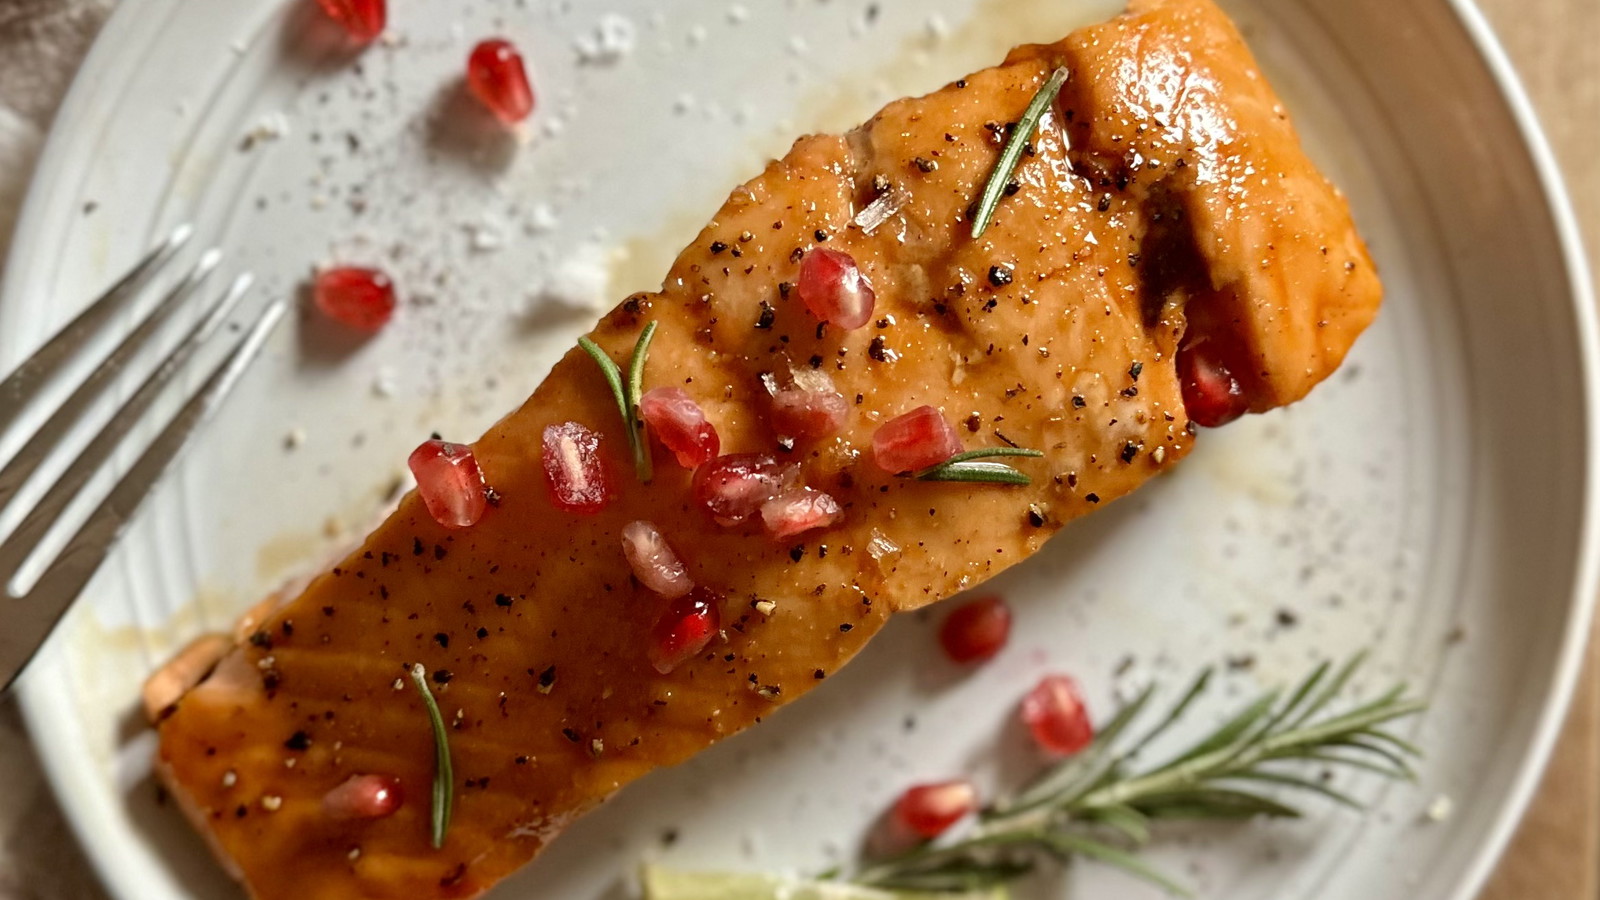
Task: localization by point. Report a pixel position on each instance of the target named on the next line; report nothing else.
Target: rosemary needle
(1012, 154)
(966, 467)
(444, 778)
(627, 392)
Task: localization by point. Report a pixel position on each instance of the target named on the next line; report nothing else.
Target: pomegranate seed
(653, 562)
(499, 80)
(928, 810)
(685, 629)
(361, 298)
(1211, 395)
(680, 425)
(834, 289)
(976, 631)
(363, 19)
(799, 511)
(364, 797)
(808, 415)
(1054, 712)
(916, 440)
(450, 483)
(573, 470)
(733, 488)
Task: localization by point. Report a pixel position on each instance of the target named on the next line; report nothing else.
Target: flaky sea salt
(542, 219)
(269, 126)
(579, 279)
(613, 39)
(485, 235)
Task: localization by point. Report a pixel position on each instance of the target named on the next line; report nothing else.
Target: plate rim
(1586, 583)
(37, 698)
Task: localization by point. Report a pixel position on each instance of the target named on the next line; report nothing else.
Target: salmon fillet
(1165, 203)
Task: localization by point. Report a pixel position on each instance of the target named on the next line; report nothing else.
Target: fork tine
(87, 549)
(50, 434)
(16, 549)
(21, 385)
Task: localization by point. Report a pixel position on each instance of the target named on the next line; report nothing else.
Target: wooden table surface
(1555, 45)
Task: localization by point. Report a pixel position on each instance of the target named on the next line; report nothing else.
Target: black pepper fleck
(1000, 276)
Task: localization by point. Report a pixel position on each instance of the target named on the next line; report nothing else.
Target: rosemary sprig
(1012, 154)
(963, 467)
(627, 394)
(1101, 805)
(444, 778)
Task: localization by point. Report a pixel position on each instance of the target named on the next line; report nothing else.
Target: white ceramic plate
(1432, 503)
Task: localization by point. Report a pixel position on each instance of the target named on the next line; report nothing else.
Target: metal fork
(27, 615)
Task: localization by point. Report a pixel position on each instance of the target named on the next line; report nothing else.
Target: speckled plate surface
(1432, 503)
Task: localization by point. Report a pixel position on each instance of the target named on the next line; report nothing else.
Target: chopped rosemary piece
(444, 777)
(627, 394)
(1012, 154)
(1101, 805)
(963, 467)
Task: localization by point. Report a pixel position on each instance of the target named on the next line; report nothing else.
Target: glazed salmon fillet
(1164, 234)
